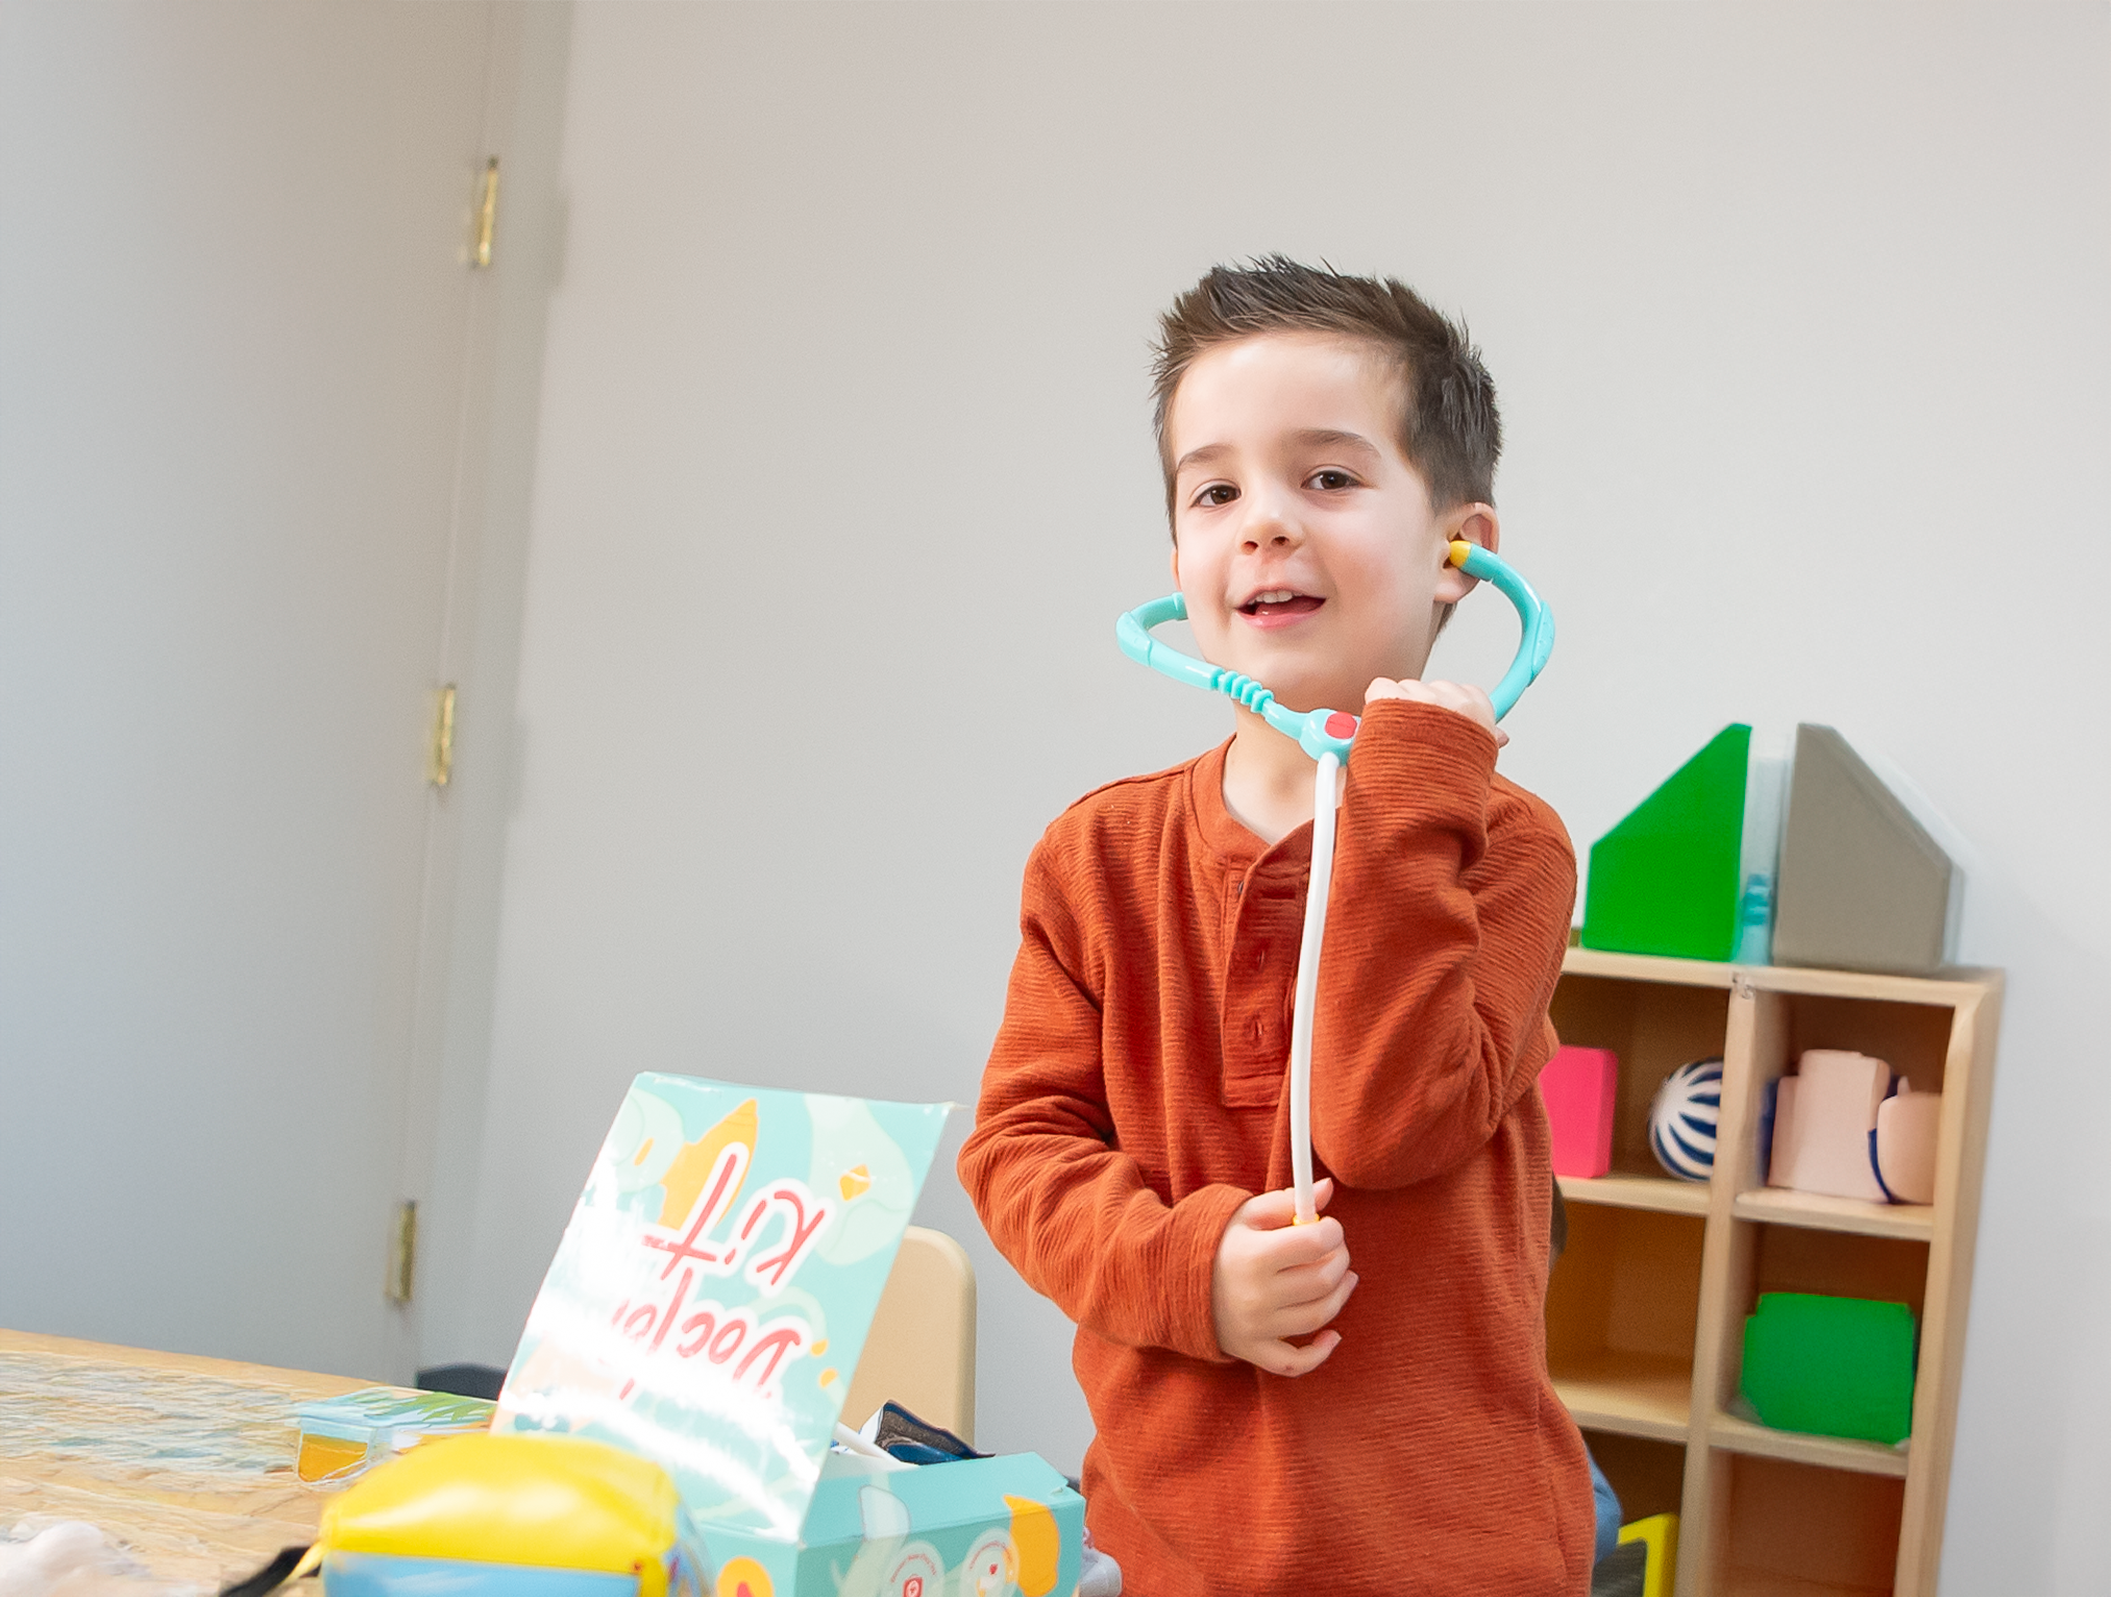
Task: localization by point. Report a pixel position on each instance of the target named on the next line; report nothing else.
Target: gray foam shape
(1863, 886)
(1620, 1572)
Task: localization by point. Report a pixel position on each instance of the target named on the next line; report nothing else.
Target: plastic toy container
(511, 1516)
(343, 1437)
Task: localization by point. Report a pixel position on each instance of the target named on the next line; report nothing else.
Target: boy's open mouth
(1271, 603)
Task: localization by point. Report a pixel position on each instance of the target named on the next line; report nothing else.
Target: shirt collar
(1227, 837)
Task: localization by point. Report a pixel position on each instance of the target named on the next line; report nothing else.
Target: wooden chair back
(921, 1353)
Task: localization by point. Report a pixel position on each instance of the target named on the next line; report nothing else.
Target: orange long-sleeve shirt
(1136, 1097)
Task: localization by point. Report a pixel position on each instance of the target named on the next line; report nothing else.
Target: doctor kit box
(707, 1308)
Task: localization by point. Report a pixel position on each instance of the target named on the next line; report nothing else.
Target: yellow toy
(510, 1516)
(1660, 1533)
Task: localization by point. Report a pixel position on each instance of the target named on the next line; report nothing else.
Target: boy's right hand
(1274, 1280)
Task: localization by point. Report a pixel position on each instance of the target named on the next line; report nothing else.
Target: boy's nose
(1271, 526)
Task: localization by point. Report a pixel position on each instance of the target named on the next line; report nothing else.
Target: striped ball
(1682, 1119)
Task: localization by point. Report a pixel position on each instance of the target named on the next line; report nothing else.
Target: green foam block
(1831, 1366)
(1665, 881)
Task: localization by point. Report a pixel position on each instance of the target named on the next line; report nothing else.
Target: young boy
(1272, 1417)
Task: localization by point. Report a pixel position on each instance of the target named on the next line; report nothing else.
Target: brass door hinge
(403, 1253)
(439, 762)
(486, 215)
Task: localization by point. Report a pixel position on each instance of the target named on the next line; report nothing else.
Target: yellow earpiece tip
(1461, 550)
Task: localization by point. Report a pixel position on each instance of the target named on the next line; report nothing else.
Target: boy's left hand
(1457, 697)
(1273, 1280)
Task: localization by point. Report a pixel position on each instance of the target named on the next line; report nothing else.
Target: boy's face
(1303, 540)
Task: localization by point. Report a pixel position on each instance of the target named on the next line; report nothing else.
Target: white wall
(1799, 319)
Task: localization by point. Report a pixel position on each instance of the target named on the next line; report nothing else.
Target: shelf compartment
(1740, 1435)
(1913, 1039)
(1913, 1222)
(1799, 1258)
(1622, 1311)
(1917, 1040)
(1648, 1476)
(1652, 1030)
(1660, 1193)
(1632, 1394)
(1797, 1529)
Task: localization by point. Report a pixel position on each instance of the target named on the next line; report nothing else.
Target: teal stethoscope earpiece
(1325, 731)
(1326, 736)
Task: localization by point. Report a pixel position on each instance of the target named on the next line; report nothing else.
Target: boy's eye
(1217, 493)
(1331, 477)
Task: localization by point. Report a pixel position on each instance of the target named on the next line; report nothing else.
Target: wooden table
(186, 1461)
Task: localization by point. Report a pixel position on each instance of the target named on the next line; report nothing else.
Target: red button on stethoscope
(1341, 725)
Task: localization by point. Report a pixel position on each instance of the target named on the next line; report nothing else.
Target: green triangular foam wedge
(1665, 880)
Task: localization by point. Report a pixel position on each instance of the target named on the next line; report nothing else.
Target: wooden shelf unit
(1646, 1310)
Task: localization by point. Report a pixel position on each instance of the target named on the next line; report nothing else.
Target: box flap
(714, 1289)
(384, 1411)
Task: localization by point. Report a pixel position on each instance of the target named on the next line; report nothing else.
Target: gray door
(234, 300)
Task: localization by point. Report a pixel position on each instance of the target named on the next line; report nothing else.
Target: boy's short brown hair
(1449, 429)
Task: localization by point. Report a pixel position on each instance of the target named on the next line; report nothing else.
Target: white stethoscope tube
(1319, 733)
(1323, 800)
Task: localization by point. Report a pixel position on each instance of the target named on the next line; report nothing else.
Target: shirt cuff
(1199, 1220)
(1421, 749)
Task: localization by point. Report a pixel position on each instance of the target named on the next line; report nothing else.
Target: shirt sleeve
(1073, 1213)
(1445, 929)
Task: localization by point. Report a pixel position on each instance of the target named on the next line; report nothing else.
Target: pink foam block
(1578, 1085)
(1908, 1130)
(1822, 1119)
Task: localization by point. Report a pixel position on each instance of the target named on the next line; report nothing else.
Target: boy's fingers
(1292, 1246)
(1308, 1283)
(1406, 688)
(1339, 1298)
(1283, 1359)
(1270, 1211)
(1476, 704)
(1303, 1318)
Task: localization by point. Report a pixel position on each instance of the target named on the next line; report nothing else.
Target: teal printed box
(979, 1527)
(707, 1307)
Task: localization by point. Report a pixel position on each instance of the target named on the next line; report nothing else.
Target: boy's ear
(1174, 558)
(1474, 523)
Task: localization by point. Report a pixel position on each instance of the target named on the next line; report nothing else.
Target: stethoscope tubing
(1327, 735)
(1328, 730)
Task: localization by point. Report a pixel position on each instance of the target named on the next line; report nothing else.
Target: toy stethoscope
(1326, 735)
